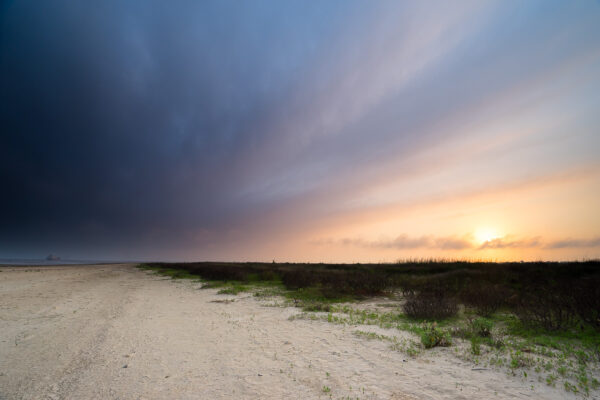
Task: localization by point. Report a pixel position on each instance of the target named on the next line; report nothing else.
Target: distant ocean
(43, 261)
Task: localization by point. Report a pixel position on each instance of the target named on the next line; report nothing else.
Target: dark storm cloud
(120, 118)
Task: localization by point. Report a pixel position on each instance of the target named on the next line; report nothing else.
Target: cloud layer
(206, 129)
(465, 242)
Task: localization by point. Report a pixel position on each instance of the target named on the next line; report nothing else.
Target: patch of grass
(475, 346)
(313, 295)
(317, 307)
(272, 290)
(234, 288)
(406, 346)
(171, 272)
(520, 360)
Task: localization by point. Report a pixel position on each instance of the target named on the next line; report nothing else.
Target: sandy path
(114, 332)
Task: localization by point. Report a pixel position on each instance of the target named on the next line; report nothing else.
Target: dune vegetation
(536, 318)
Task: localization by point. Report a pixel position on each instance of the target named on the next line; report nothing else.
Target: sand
(116, 332)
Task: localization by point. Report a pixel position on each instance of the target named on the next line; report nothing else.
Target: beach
(116, 332)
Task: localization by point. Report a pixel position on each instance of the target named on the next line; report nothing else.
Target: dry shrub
(586, 294)
(549, 307)
(430, 303)
(485, 298)
(298, 278)
(224, 272)
(338, 282)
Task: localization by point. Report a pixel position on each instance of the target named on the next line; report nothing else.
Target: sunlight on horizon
(483, 235)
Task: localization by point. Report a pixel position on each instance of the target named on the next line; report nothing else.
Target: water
(43, 261)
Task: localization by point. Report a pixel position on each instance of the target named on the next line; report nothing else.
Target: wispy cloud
(511, 243)
(406, 242)
(573, 243)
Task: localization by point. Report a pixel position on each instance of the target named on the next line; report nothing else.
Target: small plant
(569, 387)
(519, 360)
(482, 327)
(326, 389)
(583, 381)
(475, 346)
(433, 336)
(233, 289)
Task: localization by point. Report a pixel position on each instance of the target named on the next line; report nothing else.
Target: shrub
(485, 298)
(430, 304)
(268, 275)
(586, 295)
(546, 306)
(298, 278)
(433, 336)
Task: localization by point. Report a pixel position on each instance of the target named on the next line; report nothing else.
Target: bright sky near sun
(301, 131)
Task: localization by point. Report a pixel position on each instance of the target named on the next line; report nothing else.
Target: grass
(523, 318)
(174, 273)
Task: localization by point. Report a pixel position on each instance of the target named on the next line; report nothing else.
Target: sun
(483, 235)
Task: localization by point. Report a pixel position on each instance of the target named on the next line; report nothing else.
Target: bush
(433, 336)
(298, 278)
(430, 304)
(485, 298)
(545, 306)
(586, 295)
(338, 282)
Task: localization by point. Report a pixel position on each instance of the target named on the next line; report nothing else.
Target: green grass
(170, 272)
(500, 340)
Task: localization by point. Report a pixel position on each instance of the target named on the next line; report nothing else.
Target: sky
(312, 131)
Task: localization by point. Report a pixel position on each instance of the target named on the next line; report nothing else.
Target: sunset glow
(485, 235)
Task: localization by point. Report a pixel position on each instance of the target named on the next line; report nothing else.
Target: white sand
(68, 333)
